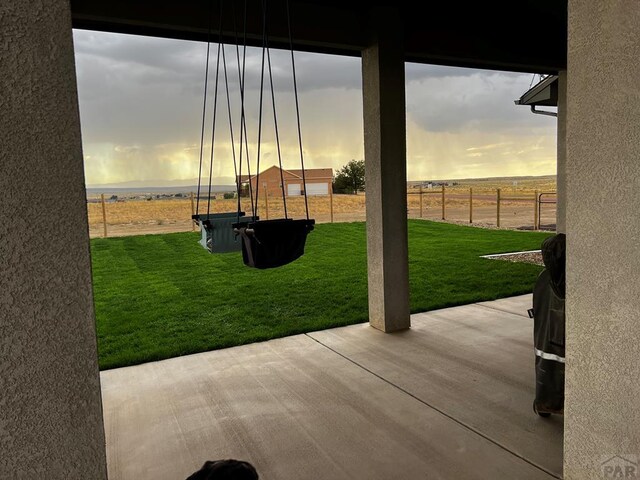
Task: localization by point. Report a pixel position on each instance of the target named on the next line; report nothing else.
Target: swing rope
(295, 92)
(264, 31)
(244, 147)
(272, 243)
(275, 126)
(233, 145)
(243, 122)
(204, 107)
(239, 172)
(215, 107)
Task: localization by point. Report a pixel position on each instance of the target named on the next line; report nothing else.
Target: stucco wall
(384, 111)
(50, 408)
(603, 236)
(561, 171)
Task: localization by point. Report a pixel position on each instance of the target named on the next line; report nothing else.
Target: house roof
(310, 173)
(313, 173)
(544, 93)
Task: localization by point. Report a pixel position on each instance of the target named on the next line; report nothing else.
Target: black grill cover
(273, 243)
(554, 256)
(549, 327)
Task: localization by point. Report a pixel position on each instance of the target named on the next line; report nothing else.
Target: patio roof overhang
(470, 34)
(543, 94)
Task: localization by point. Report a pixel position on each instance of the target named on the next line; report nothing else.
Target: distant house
(318, 181)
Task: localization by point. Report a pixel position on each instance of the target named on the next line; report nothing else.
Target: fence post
(443, 215)
(420, 201)
(498, 210)
(331, 202)
(470, 205)
(193, 212)
(536, 220)
(104, 215)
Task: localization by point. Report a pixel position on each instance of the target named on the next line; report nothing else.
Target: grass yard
(161, 296)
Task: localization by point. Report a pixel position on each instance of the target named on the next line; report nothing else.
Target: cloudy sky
(141, 112)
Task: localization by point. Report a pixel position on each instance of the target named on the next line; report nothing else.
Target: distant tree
(350, 178)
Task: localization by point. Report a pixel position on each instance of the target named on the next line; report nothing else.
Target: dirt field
(135, 217)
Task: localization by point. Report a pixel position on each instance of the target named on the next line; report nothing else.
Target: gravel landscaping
(521, 257)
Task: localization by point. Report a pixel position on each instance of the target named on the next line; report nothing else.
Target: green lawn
(161, 296)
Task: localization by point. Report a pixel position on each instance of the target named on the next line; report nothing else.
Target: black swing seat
(216, 230)
(273, 243)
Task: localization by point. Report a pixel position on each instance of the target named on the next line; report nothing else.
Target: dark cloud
(157, 60)
(476, 101)
(143, 90)
(141, 103)
(416, 71)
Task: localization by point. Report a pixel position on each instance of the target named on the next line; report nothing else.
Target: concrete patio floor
(448, 399)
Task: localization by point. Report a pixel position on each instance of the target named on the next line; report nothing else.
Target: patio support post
(383, 92)
(602, 407)
(561, 176)
(50, 405)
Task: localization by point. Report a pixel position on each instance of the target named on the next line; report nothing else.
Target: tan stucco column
(50, 407)
(383, 92)
(602, 409)
(561, 175)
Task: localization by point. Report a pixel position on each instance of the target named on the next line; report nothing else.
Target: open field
(509, 185)
(173, 215)
(160, 296)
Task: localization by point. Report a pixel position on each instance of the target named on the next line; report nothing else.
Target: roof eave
(544, 94)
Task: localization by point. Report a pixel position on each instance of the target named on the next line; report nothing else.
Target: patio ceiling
(492, 35)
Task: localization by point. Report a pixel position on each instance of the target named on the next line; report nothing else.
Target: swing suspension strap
(204, 109)
(295, 93)
(266, 50)
(215, 107)
(233, 145)
(273, 243)
(275, 125)
(264, 38)
(243, 123)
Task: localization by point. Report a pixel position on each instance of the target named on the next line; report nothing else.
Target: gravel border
(534, 257)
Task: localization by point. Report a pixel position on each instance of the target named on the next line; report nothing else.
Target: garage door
(317, 189)
(293, 189)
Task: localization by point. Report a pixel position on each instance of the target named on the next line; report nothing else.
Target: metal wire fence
(483, 207)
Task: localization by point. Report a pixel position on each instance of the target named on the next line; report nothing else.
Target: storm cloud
(141, 101)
